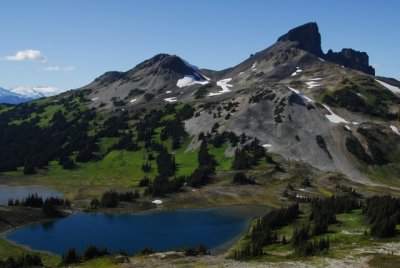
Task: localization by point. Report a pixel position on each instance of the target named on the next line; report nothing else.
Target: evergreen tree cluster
(172, 128)
(65, 138)
(248, 155)
(302, 244)
(27, 260)
(111, 198)
(324, 210)
(383, 213)
(175, 130)
(30, 145)
(144, 182)
(163, 185)
(146, 167)
(91, 252)
(125, 143)
(165, 163)
(48, 205)
(206, 166)
(262, 232)
(196, 251)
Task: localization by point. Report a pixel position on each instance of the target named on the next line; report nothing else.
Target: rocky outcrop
(308, 38)
(165, 63)
(108, 77)
(352, 59)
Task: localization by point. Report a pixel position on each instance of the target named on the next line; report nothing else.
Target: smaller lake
(159, 230)
(20, 192)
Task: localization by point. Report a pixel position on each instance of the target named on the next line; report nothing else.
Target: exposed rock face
(275, 93)
(164, 63)
(307, 36)
(351, 58)
(108, 77)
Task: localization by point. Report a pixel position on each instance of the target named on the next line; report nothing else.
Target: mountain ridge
(308, 38)
(297, 104)
(304, 83)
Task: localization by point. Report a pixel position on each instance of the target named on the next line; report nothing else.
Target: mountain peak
(170, 63)
(307, 36)
(108, 77)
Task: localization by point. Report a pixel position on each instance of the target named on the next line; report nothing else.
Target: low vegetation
(316, 225)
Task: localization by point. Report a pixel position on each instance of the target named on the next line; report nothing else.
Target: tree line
(262, 231)
(26, 260)
(91, 252)
(48, 205)
(383, 214)
(111, 198)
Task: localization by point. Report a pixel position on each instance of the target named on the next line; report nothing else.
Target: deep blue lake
(159, 230)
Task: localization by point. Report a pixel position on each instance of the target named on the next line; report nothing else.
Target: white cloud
(27, 55)
(56, 68)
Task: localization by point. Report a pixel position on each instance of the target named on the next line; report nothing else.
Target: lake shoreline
(242, 211)
(143, 205)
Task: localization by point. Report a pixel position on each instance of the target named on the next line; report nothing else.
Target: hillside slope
(325, 110)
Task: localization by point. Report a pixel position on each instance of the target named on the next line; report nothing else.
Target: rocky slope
(298, 101)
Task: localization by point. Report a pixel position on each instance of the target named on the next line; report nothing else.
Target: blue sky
(74, 41)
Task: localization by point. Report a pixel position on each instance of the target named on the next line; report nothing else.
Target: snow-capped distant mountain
(36, 92)
(9, 97)
(23, 94)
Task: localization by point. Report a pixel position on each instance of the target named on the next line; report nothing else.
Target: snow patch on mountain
(224, 85)
(313, 82)
(297, 71)
(301, 95)
(395, 130)
(390, 87)
(189, 80)
(172, 99)
(192, 79)
(334, 118)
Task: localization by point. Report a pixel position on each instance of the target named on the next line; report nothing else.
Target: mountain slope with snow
(22, 94)
(36, 92)
(306, 108)
(6, 96)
